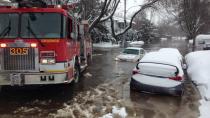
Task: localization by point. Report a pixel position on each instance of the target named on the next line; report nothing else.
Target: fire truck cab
(40, 46)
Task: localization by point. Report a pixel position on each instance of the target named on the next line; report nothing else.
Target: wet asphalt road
(42, 100)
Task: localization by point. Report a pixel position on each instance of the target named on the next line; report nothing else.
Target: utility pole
(125, 24)
(124, 13)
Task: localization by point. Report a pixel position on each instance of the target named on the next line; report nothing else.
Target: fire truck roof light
(33, 45)
(3, 45)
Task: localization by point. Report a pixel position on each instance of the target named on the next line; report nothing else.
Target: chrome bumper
(21, 79)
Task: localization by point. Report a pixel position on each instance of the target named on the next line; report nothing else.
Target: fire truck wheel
(76, 73)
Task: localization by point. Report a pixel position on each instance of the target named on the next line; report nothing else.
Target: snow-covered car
(131, 54)
(158, 72)
(199, 72)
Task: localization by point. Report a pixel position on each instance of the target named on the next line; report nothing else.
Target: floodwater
(104, 84)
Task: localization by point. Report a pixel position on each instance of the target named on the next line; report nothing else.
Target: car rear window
(131, 51)
(157, 69)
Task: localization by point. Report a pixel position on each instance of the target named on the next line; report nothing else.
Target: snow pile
(105, 45)
(120, 112)
(198, 70)
(204, 109)
(137, 43)
(92, 104)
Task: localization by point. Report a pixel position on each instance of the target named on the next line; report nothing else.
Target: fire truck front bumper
(21, 79)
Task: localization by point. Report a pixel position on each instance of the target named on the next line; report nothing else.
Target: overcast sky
(132, 6)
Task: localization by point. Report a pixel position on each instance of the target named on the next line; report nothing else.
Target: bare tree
(191, 15)
(143, 7)
(191, 18)
(108, 9)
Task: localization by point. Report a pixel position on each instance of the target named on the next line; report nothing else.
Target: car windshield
(9, 25)
(131, 51)
(42, 25)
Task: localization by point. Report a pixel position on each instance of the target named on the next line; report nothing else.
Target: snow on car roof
(158, 57)
(202, 37)
(134, 48)
(171, 51)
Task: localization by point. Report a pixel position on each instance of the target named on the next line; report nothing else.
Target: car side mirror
(72, 35)
(184, 66)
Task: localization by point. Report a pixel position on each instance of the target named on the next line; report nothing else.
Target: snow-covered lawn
(198, 70)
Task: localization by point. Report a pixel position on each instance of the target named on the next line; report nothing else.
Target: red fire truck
(40, 46)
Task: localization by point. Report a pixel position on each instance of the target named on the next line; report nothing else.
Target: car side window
(141, 51)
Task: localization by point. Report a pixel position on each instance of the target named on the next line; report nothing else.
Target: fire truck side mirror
(73, 35)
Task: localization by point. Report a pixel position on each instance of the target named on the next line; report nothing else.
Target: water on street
(104, 84)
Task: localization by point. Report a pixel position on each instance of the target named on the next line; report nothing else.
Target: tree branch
(97, 20)
(143, 7)
(112, 13)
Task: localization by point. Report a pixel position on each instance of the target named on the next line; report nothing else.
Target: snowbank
(198, 70)
(204, 109)
(137, 43)
(105, 45)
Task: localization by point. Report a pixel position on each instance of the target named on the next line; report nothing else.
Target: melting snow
(93, 104)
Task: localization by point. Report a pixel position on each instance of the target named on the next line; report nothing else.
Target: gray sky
(132, 6)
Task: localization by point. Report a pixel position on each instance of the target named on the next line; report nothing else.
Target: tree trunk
(193, 46)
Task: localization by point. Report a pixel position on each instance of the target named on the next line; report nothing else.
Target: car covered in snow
(133, 54)
(159, 72)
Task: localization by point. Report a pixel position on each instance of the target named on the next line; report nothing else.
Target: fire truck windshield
(9, 25)
(42, 25)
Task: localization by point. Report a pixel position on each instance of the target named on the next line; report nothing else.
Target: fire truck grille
(19, 62)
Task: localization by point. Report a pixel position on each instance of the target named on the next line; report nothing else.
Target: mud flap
(16, 79)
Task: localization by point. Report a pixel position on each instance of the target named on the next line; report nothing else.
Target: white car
(159, 72)
(131, 54)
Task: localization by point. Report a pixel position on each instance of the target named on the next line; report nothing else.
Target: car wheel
(132, 88)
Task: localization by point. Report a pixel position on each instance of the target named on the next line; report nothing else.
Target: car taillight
(135, 72)
(177, 78)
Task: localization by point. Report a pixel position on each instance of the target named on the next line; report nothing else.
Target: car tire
(132, 88)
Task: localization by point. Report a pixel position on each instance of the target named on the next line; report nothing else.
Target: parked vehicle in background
(131, 54)
(42, 45)
(202, 42)
(159, 72)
